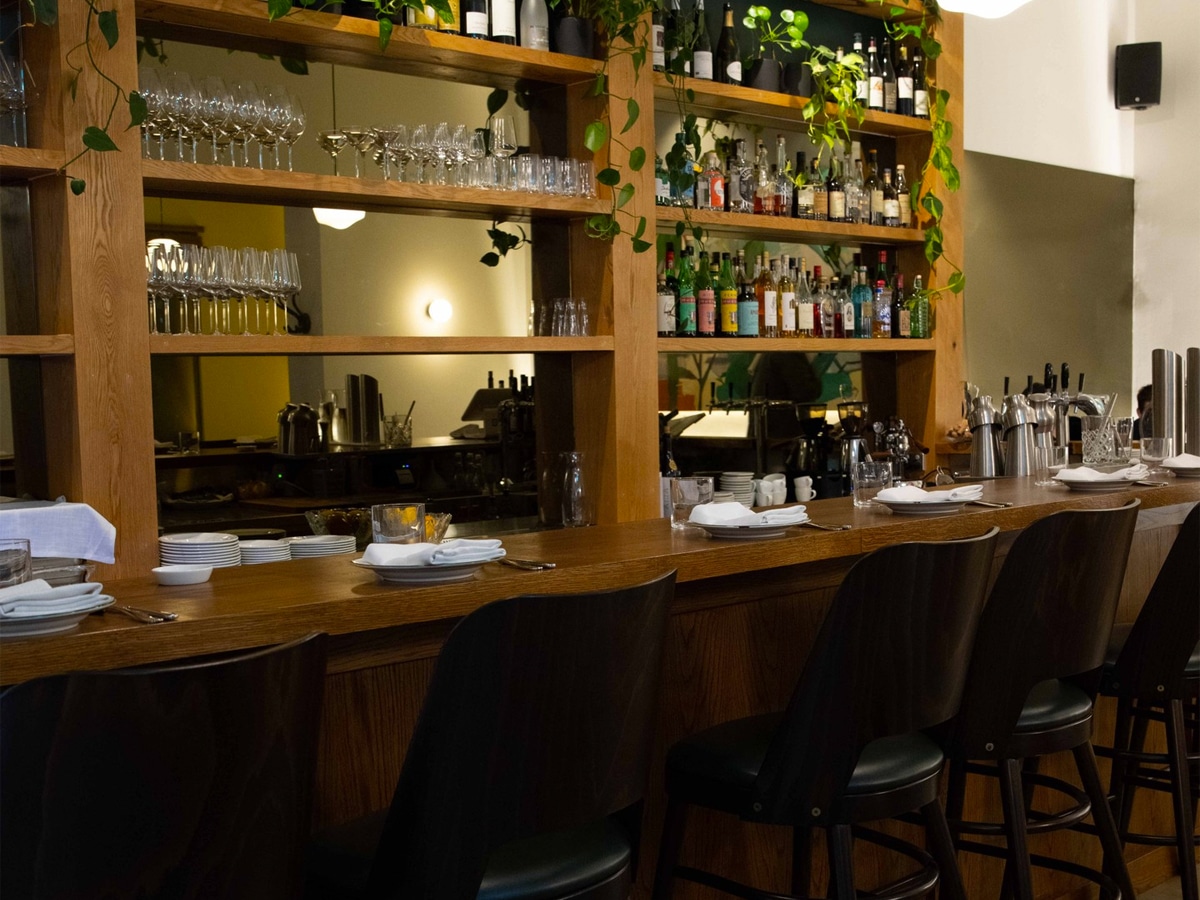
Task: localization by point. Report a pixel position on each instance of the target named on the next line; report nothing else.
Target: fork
(145, 616)
(811, 524)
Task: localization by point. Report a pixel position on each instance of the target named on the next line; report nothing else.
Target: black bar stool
(888, 661)
(528, 765)
(1153, 669)
(191, 780)
(1034, 673)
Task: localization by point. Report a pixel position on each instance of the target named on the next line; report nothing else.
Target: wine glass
(150, 86)
(183, 113)
(294, 128)
(276, 114)
(333, 142)
(157, 288)
(247, 111)
(441, 148)
(363, 140)
(420, 147)
(476, 151)
(216, 109)
(1154, 451)
(504, 144)
(12, 94)
(459, 146)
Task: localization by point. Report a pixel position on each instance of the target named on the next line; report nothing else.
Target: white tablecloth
(72, 530)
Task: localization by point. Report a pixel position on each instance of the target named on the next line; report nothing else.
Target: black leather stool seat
(552, 865)
(720, 764)
(1116, 643)
(1053, 704)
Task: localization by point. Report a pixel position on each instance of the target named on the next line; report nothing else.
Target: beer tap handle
(1005, 385)
(1065, 382)
(1046, 376)
(1080, 388)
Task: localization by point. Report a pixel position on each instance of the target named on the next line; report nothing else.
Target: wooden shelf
(795, 345)
(360, 345)
(876, 9)
(750, 106)
(205, 182)
(781, 228)
(37, 345)
(23, 163)
(346, 40)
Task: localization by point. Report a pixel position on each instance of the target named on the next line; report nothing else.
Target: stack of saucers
(741, 485)
(255, 552)
(205, 548)
(321, 545)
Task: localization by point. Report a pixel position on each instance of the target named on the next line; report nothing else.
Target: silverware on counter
(811, 524)
(991, 504)
(145, 616)
(1145, 483)
(531, 565)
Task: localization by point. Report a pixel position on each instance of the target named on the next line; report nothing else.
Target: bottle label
(875, 92)
(770, 308)
(904, 88)
(877, 207)
(860, 90)
(747, 318)
(476, 23)
(789, 312)
(687, 315)
(537, 37)
(903, 208)
(848, 319)
(891, 209)
(889, 96)
(804, 201)
(804, 317)
(837, 206)
(702, 64)
(883, 317)
(729, 313)
(906, 323)
(662, 191)
(658, 42)
(452, 25)
(422, 18)
(716, 191)
(820, 205)
(666, 312)
(706, 312)
(921, 103)
(504, 18)
(734, 71)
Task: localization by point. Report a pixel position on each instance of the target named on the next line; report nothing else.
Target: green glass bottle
(686, 307)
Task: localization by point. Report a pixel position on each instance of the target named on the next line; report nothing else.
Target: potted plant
(574, 32)
(765, 72)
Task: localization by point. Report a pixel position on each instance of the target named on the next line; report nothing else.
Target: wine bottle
(900, 317)
(863, 304)
(874, 78)
(475, 19)
(783, 184)
(904, 84)
(764, 185)
(504, 21)
(824, 302)
(919, 315)
(920, 92)
(729, 58)
(891, 202)
(451, 25)
(846, 300)
(835, 188)
(702, 50)
(903, 203)
(658, 46)
(685, 309)
(889, 77)
(802, 193)
(767, 291)
(706, 299)
(820, 194)
(805, 321)
(747, 303)
(666, 294)
(727, 297)
(426, 17)
(787, 300)
(535, 25)
(860, 84)
(679, 58)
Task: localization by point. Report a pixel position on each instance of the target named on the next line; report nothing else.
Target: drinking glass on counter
(1097, 435)
(868, 479)
(1154, 451)
(577, 510)
(1123, 439)
(398, 523)
(16, 562)
(687, 493)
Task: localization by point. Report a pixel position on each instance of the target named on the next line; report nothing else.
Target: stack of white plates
(255, 552)
(204, 548)
(321, 545)
(741, 485)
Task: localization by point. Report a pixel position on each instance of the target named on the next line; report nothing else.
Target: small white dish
(175, 575)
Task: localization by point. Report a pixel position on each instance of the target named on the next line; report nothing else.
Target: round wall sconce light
(338, 218)
(439, 310)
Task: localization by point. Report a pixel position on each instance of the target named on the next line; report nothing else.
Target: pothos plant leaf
(595, 136)
(490, 259)
(632, 111)
(293, 65)
(137, 109)
(496, 100)
(608, 177)
(45, 12)
(107, 21)
(385, 33)
(278, 8)
(637, 158)
(78, 186)
(96, 138)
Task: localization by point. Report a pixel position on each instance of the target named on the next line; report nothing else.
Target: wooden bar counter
(744, 617)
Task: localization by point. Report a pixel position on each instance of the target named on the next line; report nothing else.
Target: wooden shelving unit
(781, 228)
(37, 345)
(364, 345)
(791, 345)
(23, 163)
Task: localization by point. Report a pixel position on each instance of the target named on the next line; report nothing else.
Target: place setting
(733, 521)
(1101, 480)
(1185, 465)
(424, 563)
(34, 607)
(910, 500)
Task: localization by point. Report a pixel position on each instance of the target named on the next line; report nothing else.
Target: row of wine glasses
(184, 113)
(12, 101)
(219, 290)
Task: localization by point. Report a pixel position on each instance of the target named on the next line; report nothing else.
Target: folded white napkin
(37, 598)
(1182, 461)
(449, 553)
(734, 514)
(73, 530)
(908, 493)
(1085, 473)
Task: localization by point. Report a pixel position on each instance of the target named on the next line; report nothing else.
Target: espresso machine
(808, 453)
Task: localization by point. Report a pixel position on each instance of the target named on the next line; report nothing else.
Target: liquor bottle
(820, 195)
(667, 288)
(825, 311)
(475, 19)
(783, 184)
(874, 188)
(904, 84)
(860, 84)
(702, 50)
(787, 300)
(658, 45)
(747, 306)
(903, 204)
(685, 191)
(802, 193)
(920, 92)
(504, 21)
(836, 190)
(805, 320)
(889, 77)
(662, 183)
(733, 189)
(729, 59)
(706, 299)
(535, 25)
(764, 185)
(874, 78)
(710, 188)
(685, 309)
(858, 202)
(679, 57)
(891, 202)
(846, 297)
(767, 290)
(864, 304)
(426, 17)
(900, 316)
(727, 297)
(919, 324)
(882, 327)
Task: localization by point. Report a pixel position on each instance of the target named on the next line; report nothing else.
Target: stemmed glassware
(277, 113)
(334, 142)
(183, 114)
(294, 128)
(12, 96)
(503, 130)
(248, 110)
(420, 147)
(216, 109)
(441, 148)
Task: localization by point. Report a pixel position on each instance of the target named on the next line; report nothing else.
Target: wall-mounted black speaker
(1139, 75)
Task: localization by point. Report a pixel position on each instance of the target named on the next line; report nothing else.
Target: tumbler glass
(16, 562)
(398, 523)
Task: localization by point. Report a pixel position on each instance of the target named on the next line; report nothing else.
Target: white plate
(23, 626)
(309, 540)
(922, 507)
(1098, 487)
(214, 538)
(423, 574)
(742, 532)
(1184, 471)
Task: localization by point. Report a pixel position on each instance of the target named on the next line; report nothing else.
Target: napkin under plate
(38, 598)
(911, 494)
(460, 551)
(1086, 473)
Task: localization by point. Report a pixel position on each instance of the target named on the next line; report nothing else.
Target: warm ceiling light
(338, 218)
(987, 9)
(440, 310)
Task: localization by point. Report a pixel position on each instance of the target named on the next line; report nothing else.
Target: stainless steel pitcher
(1020, 420)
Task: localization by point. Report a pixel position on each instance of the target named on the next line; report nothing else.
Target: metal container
(1191, 403)
(1020, 420)
(986, 460)
(1166, 371)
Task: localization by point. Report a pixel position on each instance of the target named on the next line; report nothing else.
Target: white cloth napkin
(1182, 461)
(1086, 473)
(908, 493)
(734, 514)
(448, 553)
(37, 598)
(73, 530)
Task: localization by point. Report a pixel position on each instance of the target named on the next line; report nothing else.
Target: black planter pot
(797, 79)
(574, 36)
(764, 74)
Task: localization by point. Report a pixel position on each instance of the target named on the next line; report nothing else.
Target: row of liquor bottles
(847, 191)
(681, 43)
(719, 296)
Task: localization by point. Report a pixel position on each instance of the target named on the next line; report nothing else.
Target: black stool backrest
(191, 780)
(889, 659)
(1151, 664)
(1049, 616)
(538, 717)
